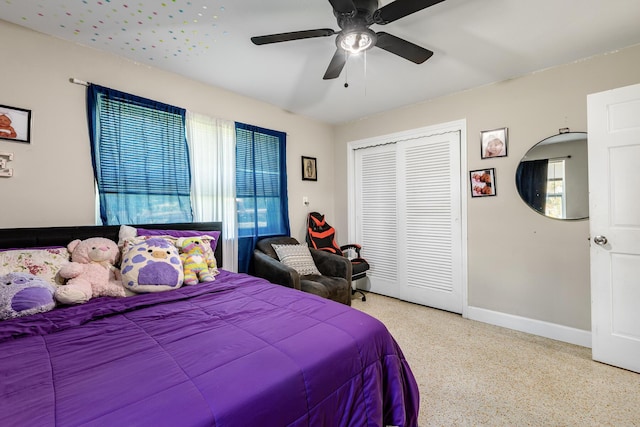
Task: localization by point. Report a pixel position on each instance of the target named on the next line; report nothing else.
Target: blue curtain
(261, 188)
(531, 182)
(140, 158)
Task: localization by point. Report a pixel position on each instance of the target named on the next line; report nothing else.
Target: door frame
(453, 126)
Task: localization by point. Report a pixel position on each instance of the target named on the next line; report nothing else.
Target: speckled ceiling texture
(163, 29)
(475, 43)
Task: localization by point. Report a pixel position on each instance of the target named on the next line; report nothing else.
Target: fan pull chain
(346, 69)
(365, 73)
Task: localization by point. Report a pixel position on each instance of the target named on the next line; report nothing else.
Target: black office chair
(321, 236)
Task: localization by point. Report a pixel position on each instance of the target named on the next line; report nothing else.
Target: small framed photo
(493, 143)
(15, 124)
(309, 169)
(483, 182)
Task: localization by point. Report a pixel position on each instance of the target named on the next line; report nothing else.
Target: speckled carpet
(475, 374)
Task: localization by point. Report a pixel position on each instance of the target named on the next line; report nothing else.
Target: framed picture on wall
(483, 182)
(15, 124)
(493, 143)
(309, 169)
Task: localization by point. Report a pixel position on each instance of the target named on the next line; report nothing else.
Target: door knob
(600, 240)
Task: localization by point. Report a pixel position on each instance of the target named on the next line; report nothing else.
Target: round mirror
(552, 178)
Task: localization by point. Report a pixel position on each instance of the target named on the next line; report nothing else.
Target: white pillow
(126, 232)
(297, 257)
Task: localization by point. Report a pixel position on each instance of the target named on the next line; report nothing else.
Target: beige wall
(519, 262)
(53, 180)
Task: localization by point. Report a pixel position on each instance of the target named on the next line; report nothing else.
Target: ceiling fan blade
(343, 6)
(294, 35)
(403, 48)
(336, 65)
(399, 9)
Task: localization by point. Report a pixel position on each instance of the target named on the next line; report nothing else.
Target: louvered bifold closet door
(408, 219)
(430, 226)
(377, 215)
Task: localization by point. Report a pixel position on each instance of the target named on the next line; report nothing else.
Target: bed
(238, 351)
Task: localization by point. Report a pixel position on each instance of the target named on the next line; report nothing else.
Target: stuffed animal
(152, 265)
(91, 272)
(22, 294)
(6, 130)
(195, 261)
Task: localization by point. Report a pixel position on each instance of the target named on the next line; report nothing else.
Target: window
(555, 205)
(140, 158)
(261, 188)
(144, 172)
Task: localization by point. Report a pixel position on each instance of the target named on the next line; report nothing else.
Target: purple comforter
(238, 351)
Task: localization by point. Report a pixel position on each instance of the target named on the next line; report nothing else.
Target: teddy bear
(151, 265)
(91, 272)
(195, 260)
(22, 294)
(6, 130)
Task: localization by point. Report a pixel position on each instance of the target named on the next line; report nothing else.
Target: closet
(406, 213)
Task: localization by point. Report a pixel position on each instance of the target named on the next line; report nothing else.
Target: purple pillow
(180, 233)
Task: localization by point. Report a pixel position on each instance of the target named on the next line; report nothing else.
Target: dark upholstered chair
(334, 283)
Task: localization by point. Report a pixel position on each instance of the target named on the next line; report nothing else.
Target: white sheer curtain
(212, 151)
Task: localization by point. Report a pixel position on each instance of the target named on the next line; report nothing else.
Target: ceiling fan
(354, 18)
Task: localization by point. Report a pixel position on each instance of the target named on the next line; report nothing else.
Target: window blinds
(261, 188)
(140, 157)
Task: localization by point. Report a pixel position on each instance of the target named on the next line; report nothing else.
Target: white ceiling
(475, 42)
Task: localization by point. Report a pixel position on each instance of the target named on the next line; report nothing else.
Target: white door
(614, 209)
(376, 229)
(409, 205)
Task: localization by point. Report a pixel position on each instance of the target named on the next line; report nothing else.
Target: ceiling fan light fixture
(356, 41)
(354, 18)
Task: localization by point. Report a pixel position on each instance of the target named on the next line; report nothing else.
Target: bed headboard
(61, 236)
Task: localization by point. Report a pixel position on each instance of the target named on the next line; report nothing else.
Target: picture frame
(483, 182)
(15, 124)
(494, 143)
(309, 169)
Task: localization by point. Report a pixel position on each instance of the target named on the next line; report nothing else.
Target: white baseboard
(531, 326)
